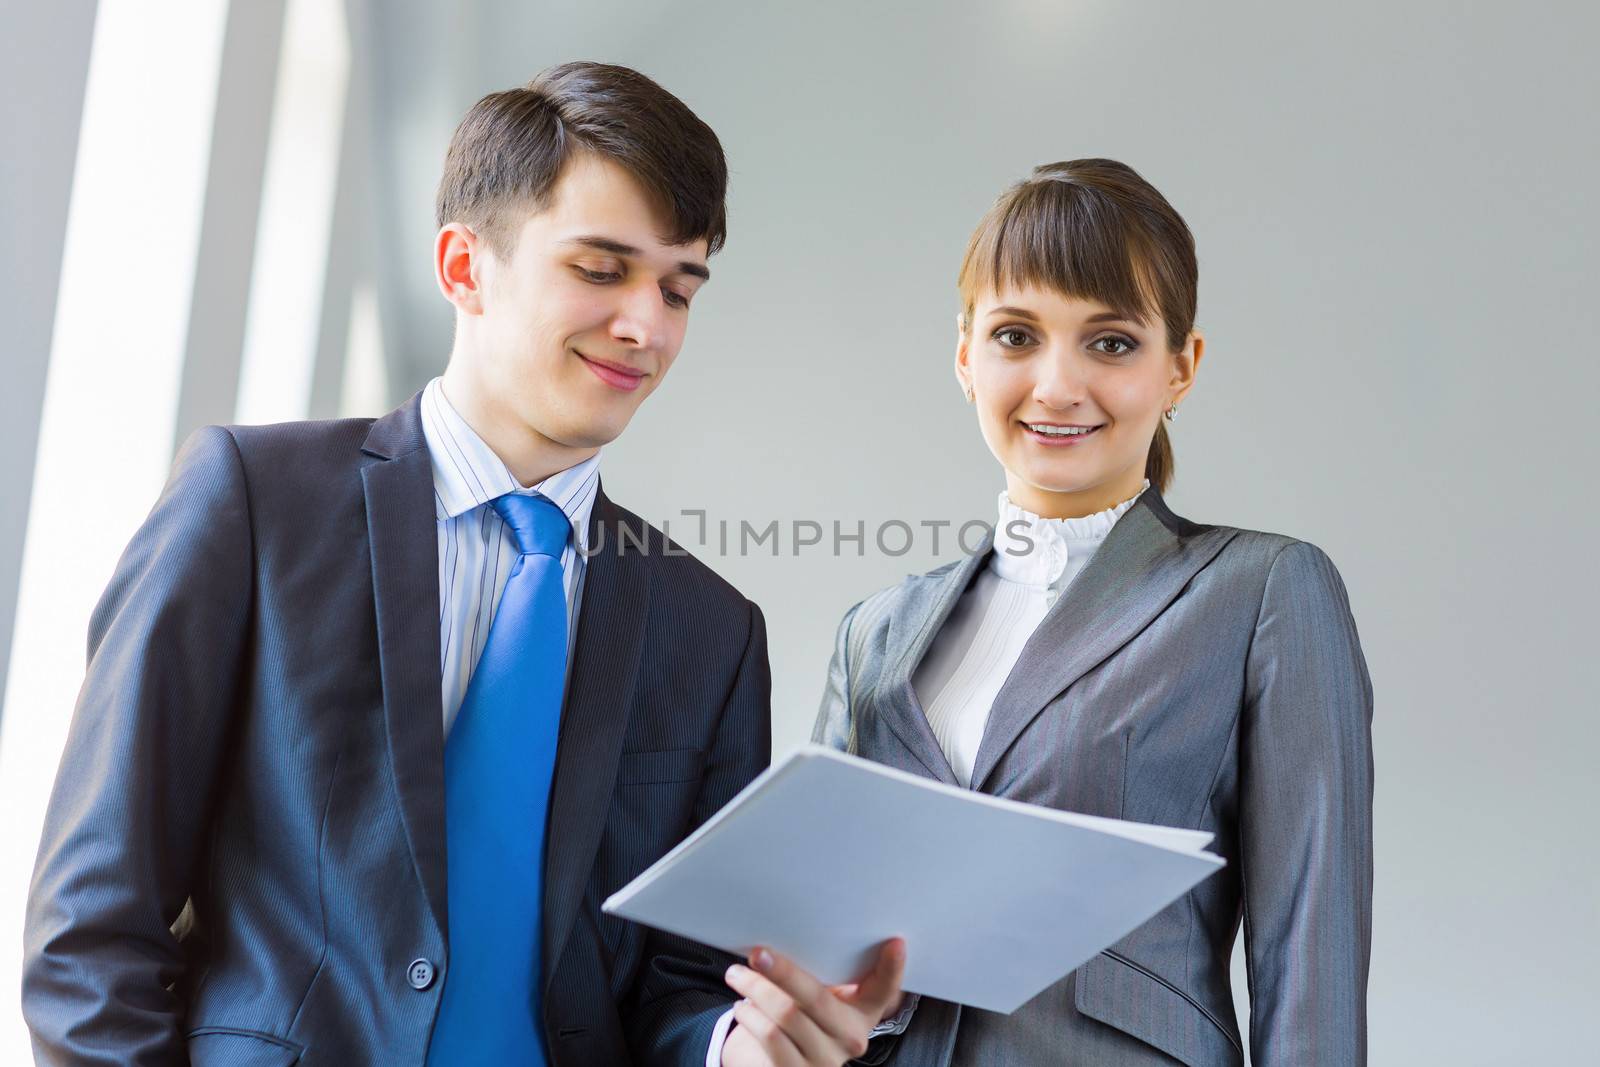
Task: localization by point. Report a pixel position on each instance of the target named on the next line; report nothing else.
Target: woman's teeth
(1061, 431)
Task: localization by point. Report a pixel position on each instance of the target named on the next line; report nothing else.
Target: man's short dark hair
(508, 152)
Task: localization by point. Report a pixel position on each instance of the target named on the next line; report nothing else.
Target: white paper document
(825, 855)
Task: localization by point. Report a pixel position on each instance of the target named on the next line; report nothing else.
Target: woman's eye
(1012, 337)
(1125, 345)
(596, 276)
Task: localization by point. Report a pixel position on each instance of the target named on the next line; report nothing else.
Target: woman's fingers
(791, 1014)
(741, 1049)
(756, 1028)
(844, 1020)
(825, 1028)
(879, 989)
(786, 1013)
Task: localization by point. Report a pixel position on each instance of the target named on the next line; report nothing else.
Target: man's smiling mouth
(617, 375)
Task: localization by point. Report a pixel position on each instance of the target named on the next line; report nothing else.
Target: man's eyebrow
(617, 248)
(604, 244)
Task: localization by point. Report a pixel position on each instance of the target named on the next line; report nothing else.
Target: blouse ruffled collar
(1035, 550)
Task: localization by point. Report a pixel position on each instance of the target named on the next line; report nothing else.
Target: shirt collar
(468, 474)
(1035, 551)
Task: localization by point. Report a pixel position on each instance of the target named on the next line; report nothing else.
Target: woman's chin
(1056, 480)
(1059, 477)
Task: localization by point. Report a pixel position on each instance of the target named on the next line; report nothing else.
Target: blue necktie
(498, 763)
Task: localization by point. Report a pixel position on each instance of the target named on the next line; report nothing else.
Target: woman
(1101, 654)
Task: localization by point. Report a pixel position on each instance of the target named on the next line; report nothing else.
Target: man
(377, 712)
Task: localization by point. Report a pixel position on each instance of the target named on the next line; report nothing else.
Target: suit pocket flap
(1120, 993)
(217, 1046)
(667, 765)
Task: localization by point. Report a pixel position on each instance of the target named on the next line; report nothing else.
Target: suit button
(420, 974)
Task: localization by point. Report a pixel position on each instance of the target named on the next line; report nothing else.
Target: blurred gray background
(1394, 216)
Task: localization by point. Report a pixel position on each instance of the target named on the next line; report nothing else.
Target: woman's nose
(1060, 382)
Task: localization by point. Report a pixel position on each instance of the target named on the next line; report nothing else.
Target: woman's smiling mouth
(1058, 435)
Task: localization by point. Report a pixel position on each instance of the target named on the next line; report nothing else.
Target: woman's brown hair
(1095, 230)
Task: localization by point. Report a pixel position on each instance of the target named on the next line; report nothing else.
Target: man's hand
(789, 1019)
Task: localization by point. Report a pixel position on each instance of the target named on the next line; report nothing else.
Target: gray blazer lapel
(914, 621)
(1149, 555)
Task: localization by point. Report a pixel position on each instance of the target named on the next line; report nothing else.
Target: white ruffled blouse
(1033, 561)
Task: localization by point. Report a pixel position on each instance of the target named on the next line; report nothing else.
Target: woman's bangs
(1065, 238)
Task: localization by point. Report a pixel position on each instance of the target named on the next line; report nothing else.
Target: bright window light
(111, 393)
(297, 196)
(365, 390)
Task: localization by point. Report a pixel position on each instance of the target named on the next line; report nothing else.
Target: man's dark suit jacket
(244, 857)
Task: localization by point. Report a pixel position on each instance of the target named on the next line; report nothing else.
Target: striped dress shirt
(477, 549)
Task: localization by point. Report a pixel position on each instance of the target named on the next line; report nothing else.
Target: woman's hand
(789, 1019)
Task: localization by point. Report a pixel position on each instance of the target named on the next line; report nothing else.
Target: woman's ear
(963, 367)
(1186, 363)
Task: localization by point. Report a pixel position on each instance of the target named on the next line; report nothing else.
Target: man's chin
(587, 413)
(590, 433)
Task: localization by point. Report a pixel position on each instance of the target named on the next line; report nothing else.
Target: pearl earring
(1172, 412)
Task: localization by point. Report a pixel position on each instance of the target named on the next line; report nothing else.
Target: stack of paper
(825, 855)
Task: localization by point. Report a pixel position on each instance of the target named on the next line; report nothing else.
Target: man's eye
(1012, 337)
(674, 298)
(1124, 345)
(596, 276)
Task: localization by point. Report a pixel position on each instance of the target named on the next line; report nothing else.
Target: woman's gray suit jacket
(1195, 676)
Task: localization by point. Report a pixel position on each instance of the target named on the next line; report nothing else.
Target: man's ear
(458, 261)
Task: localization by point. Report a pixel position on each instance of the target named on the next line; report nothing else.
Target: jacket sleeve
(127, 816)
(681, 994)
(835, 727)
(1306, 818)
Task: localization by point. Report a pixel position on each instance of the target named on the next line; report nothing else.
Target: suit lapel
(611, 624)
(914, 622)
(405, 587)
(1140, 567)
(405, 578)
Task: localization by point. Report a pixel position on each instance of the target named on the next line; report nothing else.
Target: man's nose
(640, 318)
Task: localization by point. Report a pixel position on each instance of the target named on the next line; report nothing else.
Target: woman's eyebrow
(1023, 313)
(1016, 312)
